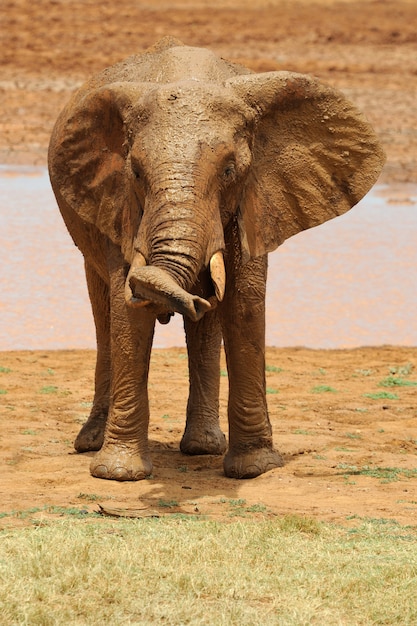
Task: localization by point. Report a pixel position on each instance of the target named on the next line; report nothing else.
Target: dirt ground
(349, 441)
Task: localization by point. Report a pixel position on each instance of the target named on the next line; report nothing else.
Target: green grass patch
(394, 381)
(3, 392)
(239, 508)
(383, 474)
(271, 390)
(90, 497)
(323, 389)
(167, 504)
(5, 370)
(286, 571)
(381, 395)
(353, 435)
(49, 389)
(71, 511)
(303, 431)
(273, 368)
(59, 511)
(256, 508)
(363, 372)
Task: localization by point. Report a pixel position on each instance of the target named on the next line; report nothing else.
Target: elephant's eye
(229, 172)
(136, 169)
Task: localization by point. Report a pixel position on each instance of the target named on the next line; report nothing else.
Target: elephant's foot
(119, 461)
(206, 440)
(251, 463)
(91, 436)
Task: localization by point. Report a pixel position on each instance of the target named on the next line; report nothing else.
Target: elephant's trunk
(153, 284)
(149, 283)
(177, 239)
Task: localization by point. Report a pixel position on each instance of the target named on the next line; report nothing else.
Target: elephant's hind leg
(202, 433)
(90, 437)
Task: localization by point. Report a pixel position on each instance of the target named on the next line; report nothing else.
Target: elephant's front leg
(202, 433)
(251, 449)
(125, 454)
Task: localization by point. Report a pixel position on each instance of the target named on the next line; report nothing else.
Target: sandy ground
(337, 427)
(337, 441)
(366, 48)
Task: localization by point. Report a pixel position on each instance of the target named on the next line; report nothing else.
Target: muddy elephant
(176, 172)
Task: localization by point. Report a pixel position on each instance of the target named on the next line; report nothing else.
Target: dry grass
(177, 571)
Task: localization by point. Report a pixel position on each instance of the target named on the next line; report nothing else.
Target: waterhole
(349, 282)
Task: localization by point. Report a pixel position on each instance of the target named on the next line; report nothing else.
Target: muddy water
(350, 282)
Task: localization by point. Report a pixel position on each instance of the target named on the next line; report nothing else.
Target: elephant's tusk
(218, 274)
(138, 261)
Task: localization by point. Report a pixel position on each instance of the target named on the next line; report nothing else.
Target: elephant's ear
(87, 160)
(314, 157)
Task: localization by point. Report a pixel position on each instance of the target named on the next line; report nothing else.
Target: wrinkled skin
(176, 172)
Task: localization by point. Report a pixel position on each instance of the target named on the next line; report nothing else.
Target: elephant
(176, 173)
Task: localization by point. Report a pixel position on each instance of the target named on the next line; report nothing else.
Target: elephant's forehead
(193, 97)
(183, 116)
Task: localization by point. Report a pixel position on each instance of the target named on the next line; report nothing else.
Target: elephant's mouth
(149, 284)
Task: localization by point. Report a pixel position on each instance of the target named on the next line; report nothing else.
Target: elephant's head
(161, 169)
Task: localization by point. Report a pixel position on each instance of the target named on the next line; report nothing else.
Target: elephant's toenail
(120, 473)
(100, 471)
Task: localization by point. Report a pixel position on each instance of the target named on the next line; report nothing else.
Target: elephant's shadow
(191, 485)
